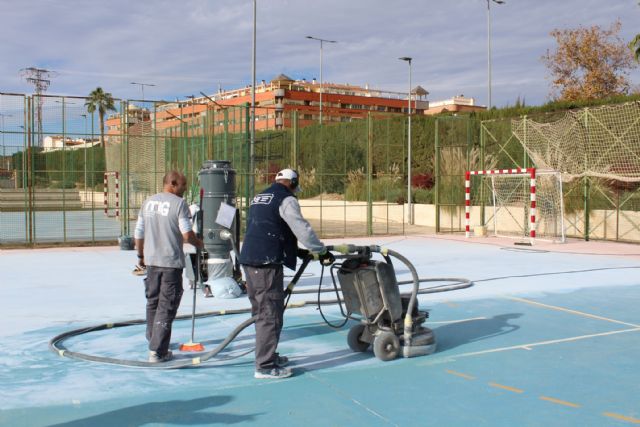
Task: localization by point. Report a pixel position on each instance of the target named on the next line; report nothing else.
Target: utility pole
(40, 79)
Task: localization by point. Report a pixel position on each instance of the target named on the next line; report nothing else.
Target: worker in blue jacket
(274, 227)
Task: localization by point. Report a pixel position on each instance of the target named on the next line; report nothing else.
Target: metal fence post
(369, 175)
(436, 193)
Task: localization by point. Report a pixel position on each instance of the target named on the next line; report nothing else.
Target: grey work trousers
(265, 287)
(163, 289)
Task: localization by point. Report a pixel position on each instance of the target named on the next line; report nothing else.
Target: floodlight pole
(489, 105)
(252, 146)
(142, 85)
(321, 42)
(410, 216)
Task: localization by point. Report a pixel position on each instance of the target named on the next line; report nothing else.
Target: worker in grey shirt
(163, 226)
(274, 226)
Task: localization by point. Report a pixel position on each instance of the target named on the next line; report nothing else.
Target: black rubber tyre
(386, 346)
(353, 339)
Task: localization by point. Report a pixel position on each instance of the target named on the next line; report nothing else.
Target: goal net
(601, 142)
(519, 203)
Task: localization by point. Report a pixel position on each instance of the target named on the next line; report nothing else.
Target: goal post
(112, 194)
(524, 203)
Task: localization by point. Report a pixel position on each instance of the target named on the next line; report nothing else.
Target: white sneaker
(272, 374)
(155, 358)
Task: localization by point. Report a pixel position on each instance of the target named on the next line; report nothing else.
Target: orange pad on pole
(191, 346)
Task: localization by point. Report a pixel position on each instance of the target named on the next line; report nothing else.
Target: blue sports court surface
(548, 335)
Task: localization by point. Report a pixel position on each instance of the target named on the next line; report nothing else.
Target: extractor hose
(56, 346)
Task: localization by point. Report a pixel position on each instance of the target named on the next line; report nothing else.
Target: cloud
(193, 45)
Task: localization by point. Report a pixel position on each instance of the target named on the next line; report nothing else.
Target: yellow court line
(567, 310)
(621, 417)
(559, 402)
(506, 387)
(460, 374)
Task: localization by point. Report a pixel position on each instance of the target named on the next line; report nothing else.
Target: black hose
(56, 344)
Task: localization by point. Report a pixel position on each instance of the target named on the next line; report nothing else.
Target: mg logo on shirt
(262, 199)
(160, 207)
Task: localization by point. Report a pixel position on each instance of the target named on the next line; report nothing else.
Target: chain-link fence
(62, 181)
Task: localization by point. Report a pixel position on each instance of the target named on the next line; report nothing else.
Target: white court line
(535, 344)
(450, 322)
(351, 398)
(567, 310)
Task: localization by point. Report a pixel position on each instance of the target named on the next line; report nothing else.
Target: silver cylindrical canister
(218, 182)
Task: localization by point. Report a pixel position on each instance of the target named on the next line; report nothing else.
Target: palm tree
(101, 102)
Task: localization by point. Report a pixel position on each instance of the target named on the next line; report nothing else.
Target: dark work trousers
(163, 289)
(265, 287)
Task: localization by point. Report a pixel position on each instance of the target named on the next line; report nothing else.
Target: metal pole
(488, 55)
(2, 116)
(321, 81)
(489, 104)
(410, 214)
(85, 153)
(409, 151)
(253, 107)
(142, 85)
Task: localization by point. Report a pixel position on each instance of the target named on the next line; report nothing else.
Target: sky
(188, 46)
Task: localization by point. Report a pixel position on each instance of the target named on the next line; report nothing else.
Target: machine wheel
(386, 346)
(353, 339)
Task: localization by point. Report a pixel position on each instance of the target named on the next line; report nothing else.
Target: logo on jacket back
(262, 199)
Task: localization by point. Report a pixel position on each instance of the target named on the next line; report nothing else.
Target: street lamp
(142, 85)
(410, 217)
(321, 42)
(489, 49)
(252, 142)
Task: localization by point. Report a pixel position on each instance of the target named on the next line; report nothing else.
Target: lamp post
(142, 85)
(489, 50)
(410, 216)
(321, 42)
(252, 130)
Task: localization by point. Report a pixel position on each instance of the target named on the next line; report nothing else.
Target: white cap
(292, 176)
(289, 174)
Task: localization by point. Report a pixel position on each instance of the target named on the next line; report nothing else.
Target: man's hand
(303, 254)
(326, 258)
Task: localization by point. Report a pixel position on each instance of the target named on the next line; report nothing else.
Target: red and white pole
(467, 202)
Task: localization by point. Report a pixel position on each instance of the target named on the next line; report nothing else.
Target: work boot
(272, 374)
(154, 357)
(281, 361)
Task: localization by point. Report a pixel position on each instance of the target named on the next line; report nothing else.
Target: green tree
(100, 101)
(635, 47)
(589, 63)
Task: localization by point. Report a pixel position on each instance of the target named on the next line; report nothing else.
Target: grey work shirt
(291, 214)
(162, 220)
